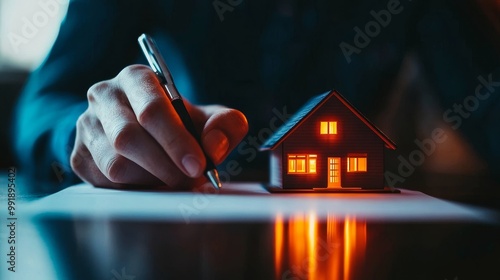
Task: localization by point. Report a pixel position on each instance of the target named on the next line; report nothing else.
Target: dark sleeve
(96, 40)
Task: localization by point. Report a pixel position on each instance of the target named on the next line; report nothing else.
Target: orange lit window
(356, 163)
(328, 127)
(302, 164)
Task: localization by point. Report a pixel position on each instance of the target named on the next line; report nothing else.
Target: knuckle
(78, 159)
(80, 122)
(97, 90)
(83, 121)
(149, 111)
(75, 160)
(136, 70)
(122, 136)
(140, 78)
(86, 127)
(132, 69)
(115, 169)
(79, 155)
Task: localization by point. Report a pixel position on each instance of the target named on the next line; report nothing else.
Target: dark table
(244, 232)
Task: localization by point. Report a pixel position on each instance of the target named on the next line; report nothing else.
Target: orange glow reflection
(278, 242)
(306, 248)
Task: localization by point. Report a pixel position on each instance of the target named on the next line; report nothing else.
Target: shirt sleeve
(96, 40)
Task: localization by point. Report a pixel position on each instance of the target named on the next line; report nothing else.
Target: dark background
(11, 83)
(400, 121)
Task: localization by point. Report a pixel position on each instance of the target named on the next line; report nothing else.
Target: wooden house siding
(276, 164)
(300, 136)
(353, 137)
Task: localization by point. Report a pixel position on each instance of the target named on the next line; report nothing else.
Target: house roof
(312, 105)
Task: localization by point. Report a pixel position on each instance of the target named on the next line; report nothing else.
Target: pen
(158, 65)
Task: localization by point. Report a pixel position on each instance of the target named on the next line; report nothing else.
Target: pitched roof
(312, 105)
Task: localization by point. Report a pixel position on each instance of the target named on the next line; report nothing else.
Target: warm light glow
(291, 165)
(332, 127)
(328, 127)
(307, 248)
(323, 128)
(347, 249)
(362, 164)
(354, 245)
(333, 172)
(278, 243)
(334, 235)
(357, 163)
(297, 235)
(302, 164)
(312, 165)
(312, 245)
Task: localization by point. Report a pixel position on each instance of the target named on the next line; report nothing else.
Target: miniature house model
(327, 144)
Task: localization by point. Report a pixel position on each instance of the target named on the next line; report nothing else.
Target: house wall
(353, 136)
(276, 166)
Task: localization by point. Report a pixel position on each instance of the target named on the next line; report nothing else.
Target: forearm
(93, 44)
(44, 138)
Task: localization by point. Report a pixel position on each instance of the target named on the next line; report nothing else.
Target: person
(92, 106)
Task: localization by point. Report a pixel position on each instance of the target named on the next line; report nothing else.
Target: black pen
(157, 63)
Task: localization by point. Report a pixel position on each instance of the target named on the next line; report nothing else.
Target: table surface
(250, 201)
(245, 232)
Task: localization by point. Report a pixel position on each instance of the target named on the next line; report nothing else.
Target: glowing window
(357, 163)
(312, 164)
(301, 163)
(304, 164)
(328, 127)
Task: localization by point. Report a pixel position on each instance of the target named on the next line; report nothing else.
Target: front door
(334, 172)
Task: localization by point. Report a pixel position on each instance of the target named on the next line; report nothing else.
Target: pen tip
(213, 176)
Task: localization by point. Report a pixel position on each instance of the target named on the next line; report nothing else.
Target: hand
(131, 135)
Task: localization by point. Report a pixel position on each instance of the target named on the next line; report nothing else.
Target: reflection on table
(243, 232)
(308, 249)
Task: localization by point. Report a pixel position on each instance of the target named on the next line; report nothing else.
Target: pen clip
(158, 65)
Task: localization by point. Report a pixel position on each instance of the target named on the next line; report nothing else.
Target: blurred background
(27, 31)
(411, 111)
(457, 170)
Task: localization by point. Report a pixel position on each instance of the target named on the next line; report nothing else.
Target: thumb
(223, 131)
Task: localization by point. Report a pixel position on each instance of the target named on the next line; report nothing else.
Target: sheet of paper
(248, 201)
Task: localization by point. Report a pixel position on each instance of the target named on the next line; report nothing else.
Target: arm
(89, 48)
(125, 133)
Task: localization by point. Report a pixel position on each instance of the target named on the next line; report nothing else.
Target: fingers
(223, 130)
(126, 137)
(131, 134)
(155, 114)
(99, 164)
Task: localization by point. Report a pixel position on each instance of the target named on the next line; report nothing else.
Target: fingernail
(191, 165)
(216, 144)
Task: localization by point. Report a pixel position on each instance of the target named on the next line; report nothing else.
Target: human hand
(130, 134)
